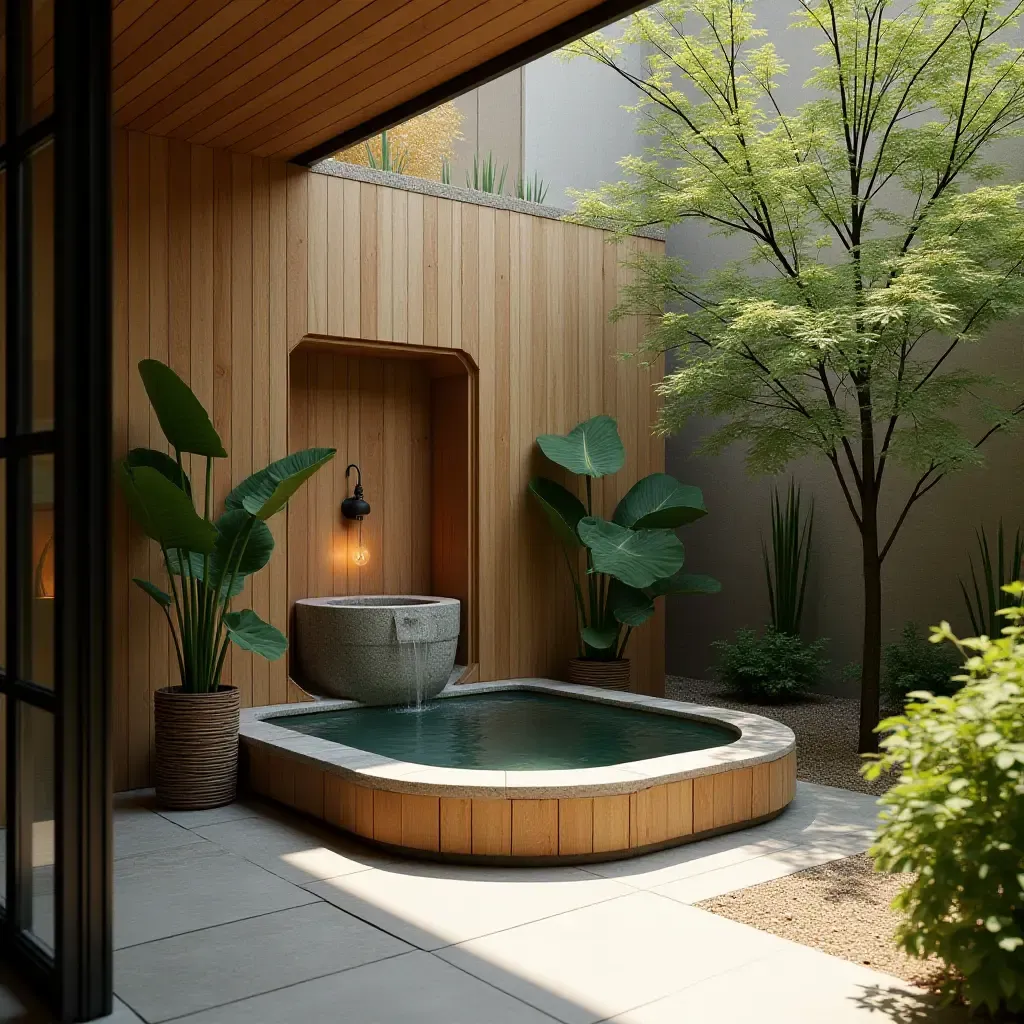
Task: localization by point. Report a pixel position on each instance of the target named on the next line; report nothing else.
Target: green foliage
(881, 238)
(985, 599)
(446, 171)
(533, 190)
(207, 562)
(486, 176)
(592, 448)
(388, 160)
(914, 663)
(955, 820)
(632, 559)
(771, 667)
(791, 558)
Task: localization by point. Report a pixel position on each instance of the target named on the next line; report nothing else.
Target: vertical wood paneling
(224, 263)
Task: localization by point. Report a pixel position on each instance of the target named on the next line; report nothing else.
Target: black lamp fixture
(356, 507)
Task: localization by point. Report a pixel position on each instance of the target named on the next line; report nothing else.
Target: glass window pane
(3, 287)
(38, 665)
(3, 799)
(41, 76)
(41, 174)
(35, 787)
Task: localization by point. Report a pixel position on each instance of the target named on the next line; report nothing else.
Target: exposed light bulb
(360, 556)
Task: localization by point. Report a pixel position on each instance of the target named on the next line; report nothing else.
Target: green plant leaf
(636, 557)
(164, 510)
(592, 448)
(684, 583)
(230, 527)
(599, 639)
(630, 606)
(162, 599)
(195, 564)
(659, 501)
(248, 631)
(182, 417)
(163, 463)
(267, 492)
(563, 508)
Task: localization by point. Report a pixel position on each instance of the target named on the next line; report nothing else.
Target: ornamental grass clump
(955, 819)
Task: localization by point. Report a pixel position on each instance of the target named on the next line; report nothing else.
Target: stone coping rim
(760, 740)
(459, 194)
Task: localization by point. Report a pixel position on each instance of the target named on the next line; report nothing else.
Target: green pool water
(512, 730)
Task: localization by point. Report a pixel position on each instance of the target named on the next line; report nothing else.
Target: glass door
(54, 482)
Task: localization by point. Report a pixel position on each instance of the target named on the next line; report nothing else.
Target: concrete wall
(492, 122)
(574, 133)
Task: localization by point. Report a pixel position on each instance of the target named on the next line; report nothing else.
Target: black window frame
(76, 977)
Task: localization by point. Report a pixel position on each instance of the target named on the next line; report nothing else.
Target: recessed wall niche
(405, 414)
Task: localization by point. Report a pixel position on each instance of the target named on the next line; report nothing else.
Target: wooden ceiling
(299, 79)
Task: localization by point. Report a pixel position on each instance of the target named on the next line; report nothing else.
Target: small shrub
(915, 663)
(773, 667)
(955, 819)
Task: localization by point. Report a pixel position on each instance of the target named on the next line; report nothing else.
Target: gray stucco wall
(574, 133)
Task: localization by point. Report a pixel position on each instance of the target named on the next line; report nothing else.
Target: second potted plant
(207, 561)
(631, 560)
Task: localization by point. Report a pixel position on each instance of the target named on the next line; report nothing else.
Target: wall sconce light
(356, 507)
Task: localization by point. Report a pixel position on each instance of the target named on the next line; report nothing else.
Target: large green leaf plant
(632, 559)
(207, 560)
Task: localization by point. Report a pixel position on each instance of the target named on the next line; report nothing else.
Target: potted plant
(207, 562)
(631, 560)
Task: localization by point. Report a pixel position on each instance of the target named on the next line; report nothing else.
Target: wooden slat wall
(223, 263)
(361, 405)
(207, 246)
(527, 298)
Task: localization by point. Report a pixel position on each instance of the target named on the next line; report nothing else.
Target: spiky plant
(986, 597)
(786, 570)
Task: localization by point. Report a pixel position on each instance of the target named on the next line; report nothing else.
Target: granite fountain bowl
(376, 649)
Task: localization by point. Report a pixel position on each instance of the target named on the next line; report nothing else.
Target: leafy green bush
(955, 819)
(773, 667)
(915, 663)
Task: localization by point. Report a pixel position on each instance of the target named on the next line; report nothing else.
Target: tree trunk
(871, 651)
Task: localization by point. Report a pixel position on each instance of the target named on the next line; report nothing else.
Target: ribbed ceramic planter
(611, 675)
(196, 757)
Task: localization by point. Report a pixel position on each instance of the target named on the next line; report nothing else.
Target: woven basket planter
(611, 675)
(196, 757)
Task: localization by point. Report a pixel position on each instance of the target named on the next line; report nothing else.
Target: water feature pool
(525, 771)
(513, 730)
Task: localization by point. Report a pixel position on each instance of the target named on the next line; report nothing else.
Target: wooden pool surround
(528, 817)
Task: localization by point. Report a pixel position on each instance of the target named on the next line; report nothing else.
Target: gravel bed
(826, 731)
(842, 908)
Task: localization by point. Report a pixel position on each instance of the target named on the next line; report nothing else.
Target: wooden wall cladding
(405, 422)
(376, 412)
(527, 300)
(224, 263)
(545, 829)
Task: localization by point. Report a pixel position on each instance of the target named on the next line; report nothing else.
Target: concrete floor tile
(296, 850)
(745, 873)
(796, 986)
(656, 869)
(200, 970)
(215, 815)
(434, 905)
(593, 963)
(416, 987)
(139, 829)
(181, 890)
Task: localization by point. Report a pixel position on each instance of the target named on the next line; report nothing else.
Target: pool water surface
(511, 730)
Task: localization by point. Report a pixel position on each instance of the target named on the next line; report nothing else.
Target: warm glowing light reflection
(360, 556)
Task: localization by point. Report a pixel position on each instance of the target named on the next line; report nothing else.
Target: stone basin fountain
(376, 649)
